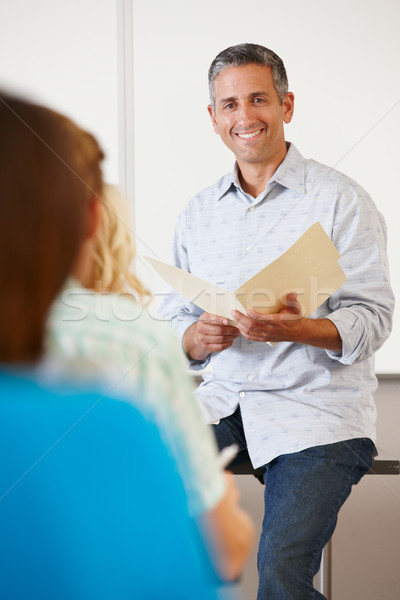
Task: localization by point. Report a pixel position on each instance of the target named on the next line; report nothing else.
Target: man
(303, 407)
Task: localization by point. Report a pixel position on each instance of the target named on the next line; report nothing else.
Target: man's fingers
(217, 330)
(218, 327)
(262, 317)
(216, 339)
(213, 319)
(285, 314)
(218, 347)
(291, 299)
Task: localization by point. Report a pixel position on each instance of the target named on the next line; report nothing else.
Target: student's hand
(210, 334)
(230, 532)
(288, 325)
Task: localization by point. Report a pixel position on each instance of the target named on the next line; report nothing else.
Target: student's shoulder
(114, 322)
(87, 309)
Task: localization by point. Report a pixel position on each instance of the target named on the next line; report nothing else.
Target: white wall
(64, 54)
(342, 60)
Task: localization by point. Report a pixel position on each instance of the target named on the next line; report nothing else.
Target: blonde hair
(115, 248)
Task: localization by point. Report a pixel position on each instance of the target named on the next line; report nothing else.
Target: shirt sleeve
(174, 307)
(362, 308)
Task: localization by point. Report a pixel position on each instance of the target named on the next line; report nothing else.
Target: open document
(309, 267)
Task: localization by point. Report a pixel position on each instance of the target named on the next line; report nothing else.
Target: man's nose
(245, 114)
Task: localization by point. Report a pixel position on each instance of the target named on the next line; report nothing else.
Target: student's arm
(213, 499)
(229, 531)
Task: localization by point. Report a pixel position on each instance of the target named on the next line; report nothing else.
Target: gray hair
(244, 54)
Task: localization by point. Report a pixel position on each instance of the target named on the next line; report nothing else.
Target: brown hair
(49, 169)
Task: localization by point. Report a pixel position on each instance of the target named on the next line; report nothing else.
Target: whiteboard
(342, 60)
(65, 55)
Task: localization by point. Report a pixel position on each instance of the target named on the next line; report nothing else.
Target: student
(110, 333)
(303, 409)
(81, 473)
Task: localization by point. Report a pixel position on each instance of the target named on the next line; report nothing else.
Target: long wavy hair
(115, 248)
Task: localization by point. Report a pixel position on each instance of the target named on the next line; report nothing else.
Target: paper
(209, 297)
(309, 267)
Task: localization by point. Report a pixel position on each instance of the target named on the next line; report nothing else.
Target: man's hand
(210, 334)
(288, 325)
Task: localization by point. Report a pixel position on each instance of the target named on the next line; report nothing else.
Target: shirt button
(242, 394)
(251, 207)
(250, 376)
(248, 248)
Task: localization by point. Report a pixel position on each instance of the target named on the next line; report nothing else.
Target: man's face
(248, 115)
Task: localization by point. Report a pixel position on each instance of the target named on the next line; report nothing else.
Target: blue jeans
(304, 492)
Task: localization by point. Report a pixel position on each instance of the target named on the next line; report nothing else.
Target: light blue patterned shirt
(292, 396)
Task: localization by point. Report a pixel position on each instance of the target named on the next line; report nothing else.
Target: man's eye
(258, 100)
(229, 106)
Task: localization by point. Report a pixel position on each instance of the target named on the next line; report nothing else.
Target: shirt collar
(289, 174)
(291, 171)
(226, 183)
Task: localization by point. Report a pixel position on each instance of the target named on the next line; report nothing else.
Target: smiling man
(301, 410)
(249, 116)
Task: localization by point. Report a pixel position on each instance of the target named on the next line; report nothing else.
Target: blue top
(292, 396)
(91, 505)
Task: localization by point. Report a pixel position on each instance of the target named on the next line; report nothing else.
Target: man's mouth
(246, 136)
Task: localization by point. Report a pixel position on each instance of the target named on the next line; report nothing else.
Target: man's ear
(288, 107)
(93, 215)
(213, 118)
